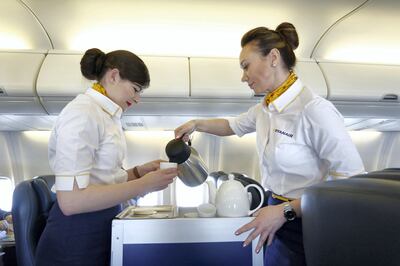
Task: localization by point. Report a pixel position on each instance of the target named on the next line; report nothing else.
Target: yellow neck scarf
(98, 87)
(281, 89)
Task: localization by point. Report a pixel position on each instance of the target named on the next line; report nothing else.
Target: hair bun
(288, 31)
(92, 63)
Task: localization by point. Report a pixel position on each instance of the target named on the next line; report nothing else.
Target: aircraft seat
(49, 180)
(388, 173)
(353, 221)
(32, 201)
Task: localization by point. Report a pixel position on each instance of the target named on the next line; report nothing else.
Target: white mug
(169, 194)
(166, 165)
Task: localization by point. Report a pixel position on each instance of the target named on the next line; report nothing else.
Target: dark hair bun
(92, 63)
(288, 31)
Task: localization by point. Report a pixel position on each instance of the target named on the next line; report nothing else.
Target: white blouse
(301, 141)
(87, 143)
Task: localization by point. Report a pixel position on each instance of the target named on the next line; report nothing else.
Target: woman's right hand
(159, 179)
(185, 130)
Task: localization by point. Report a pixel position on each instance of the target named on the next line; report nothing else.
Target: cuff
(66, 183)
(232, 124)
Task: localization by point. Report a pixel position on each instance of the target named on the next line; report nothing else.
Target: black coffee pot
(191, 168)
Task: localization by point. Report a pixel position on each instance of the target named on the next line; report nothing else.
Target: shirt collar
(287, 97)
(106, 103)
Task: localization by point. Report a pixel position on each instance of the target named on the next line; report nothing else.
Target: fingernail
(244, 244)
(257, 250)
(236, 233)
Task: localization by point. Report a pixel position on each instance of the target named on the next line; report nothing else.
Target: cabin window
(6, 191)
(185, 196)
(189, 196)
(151, 199)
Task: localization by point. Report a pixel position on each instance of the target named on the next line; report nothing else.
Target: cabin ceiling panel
(19, 29)
(370, 35)
(184, 28)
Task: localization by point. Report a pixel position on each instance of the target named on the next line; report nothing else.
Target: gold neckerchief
(281, 89)
(98, 87)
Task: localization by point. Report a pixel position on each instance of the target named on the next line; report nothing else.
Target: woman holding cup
(86, 150)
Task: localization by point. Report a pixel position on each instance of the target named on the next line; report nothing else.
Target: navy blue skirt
(81, 239)
(287, 247)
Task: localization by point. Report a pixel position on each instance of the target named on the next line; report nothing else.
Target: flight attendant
(86, 151)
(300, 139)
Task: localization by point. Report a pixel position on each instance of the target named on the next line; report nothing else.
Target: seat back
(388, 173)
(49, 180)
(352, 222)
(32, 201)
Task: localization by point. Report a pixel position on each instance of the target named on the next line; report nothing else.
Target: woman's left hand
(268, 220)
(149, 167)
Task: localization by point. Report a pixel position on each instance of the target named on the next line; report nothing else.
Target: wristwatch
(288, 212)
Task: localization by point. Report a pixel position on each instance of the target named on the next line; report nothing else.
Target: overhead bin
(221, 78)
(169, 76)
(311, 76)
(217, 78)
(18, 73)
(60, 79)
(362, 82)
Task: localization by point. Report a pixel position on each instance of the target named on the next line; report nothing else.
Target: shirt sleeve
(331, 141)
(76, 140)
(245, 122)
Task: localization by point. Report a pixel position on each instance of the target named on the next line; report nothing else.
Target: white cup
(166, 165)
(169, 194)
(206, 210)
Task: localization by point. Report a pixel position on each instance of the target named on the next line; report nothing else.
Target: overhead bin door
(311, 76)
(217, 78)
(221, 78)
(169, 76)
(362, 82)
(18, 73)
(60, 80)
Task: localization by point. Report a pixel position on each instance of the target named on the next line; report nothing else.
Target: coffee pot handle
(261, 194)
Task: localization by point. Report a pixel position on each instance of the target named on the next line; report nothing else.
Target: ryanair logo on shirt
(290, 135)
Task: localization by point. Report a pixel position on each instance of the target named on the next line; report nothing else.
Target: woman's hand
(268, 220)
(149, 167)
(159, 179)
(185, 130)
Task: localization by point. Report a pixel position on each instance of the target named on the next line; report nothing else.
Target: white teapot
(233, 199)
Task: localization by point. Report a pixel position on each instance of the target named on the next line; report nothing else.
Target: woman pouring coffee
(301, 140)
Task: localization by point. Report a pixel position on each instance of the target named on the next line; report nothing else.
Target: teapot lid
(177, 151)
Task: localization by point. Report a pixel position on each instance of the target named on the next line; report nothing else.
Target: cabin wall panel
(5, 162)
(239, 155)
(33, 147)
(370, 146)
(393, 154)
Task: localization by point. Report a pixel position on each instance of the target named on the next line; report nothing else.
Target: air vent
(134, 124)
(2, 92)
